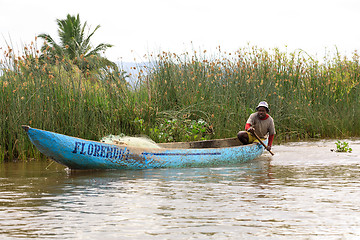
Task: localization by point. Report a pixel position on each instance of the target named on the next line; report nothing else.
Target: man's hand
(251, 130)
(268, 148)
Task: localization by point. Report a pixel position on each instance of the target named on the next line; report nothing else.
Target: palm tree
(75, 45)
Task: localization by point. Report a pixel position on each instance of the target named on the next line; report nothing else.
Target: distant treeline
(183, 97)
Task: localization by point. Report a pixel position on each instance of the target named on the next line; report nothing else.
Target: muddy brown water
(305, 191)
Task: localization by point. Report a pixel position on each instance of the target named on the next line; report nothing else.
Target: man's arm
(249, 128)
(271, 139)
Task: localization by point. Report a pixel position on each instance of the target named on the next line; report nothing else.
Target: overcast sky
(138, 27)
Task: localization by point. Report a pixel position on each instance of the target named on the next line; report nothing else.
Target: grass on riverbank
(180, 98)
(307, 98)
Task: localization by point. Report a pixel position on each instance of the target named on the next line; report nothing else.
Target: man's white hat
(263, 104)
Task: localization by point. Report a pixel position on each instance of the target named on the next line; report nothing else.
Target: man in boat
(259, 123)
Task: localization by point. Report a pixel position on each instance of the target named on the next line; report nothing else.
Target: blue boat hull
(77, 153)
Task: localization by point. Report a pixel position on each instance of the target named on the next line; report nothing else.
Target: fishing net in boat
(142, 142)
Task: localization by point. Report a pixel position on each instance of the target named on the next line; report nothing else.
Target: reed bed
(308, 98)
(182, 97)
(57, 96)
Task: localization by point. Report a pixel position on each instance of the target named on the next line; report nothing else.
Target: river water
(305, 191)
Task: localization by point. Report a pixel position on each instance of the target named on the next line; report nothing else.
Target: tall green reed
(57, 96)
(308, 98)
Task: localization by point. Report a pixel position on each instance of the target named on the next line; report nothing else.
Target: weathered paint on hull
(76, 153)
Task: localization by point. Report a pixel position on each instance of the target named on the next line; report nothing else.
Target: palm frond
(75, 43)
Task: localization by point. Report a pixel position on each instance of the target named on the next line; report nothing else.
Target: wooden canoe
(77, 153)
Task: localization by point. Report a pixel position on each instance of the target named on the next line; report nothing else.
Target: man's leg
(243, 137)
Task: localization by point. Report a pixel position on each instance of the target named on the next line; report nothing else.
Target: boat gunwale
(161, 145)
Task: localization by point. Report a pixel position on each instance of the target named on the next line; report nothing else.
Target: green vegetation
(308, 99)
(75, 45)
(342, 146)
(178, 97)
(186, 130)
